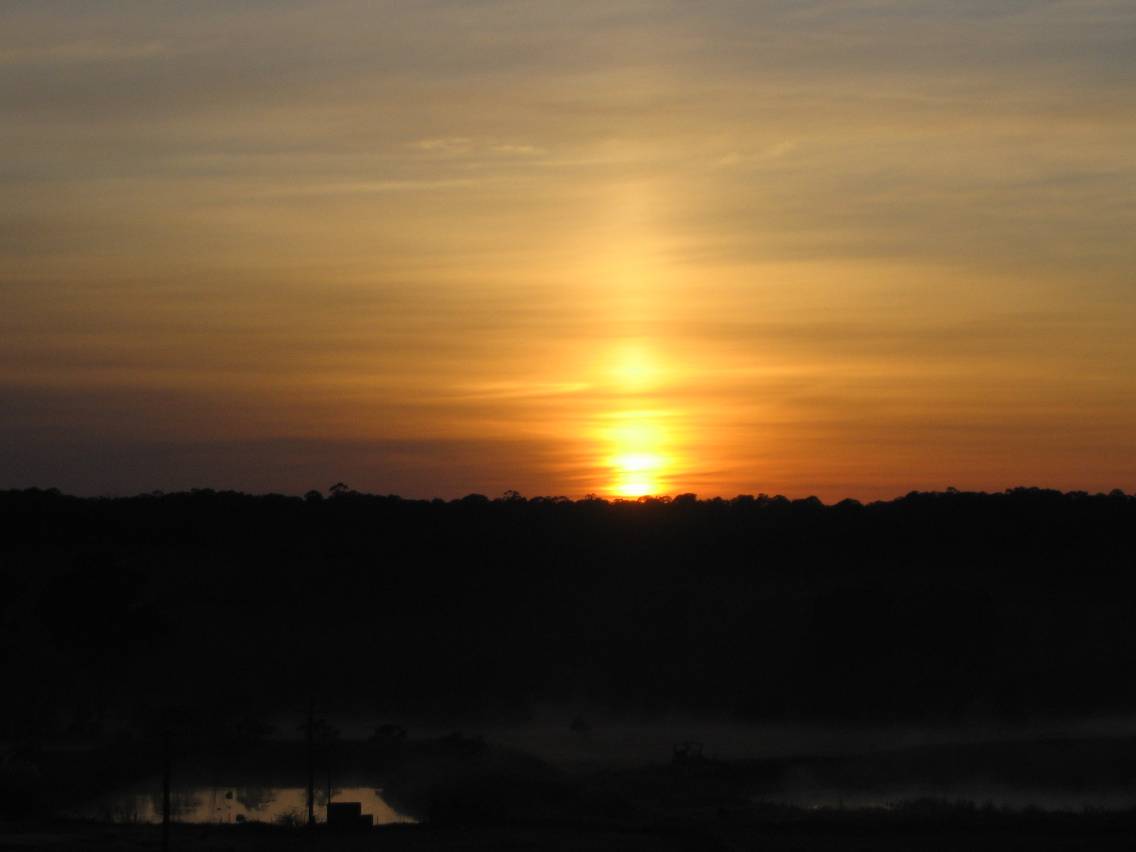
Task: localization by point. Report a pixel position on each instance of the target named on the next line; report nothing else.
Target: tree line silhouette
(934, 606)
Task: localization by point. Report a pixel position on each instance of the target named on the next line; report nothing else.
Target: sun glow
(634, 371)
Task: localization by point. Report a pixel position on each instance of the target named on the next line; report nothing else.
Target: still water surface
(220, 804)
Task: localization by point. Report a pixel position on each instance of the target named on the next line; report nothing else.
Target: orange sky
(843, 249)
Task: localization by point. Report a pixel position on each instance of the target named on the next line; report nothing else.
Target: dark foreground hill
(228, 607)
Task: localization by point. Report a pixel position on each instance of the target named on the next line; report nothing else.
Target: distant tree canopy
(932, 606)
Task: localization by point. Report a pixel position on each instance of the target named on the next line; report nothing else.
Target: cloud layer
(845, 248)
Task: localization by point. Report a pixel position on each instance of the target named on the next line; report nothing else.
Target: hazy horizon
(510, 494)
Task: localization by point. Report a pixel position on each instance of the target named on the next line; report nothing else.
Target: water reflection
(221, 804)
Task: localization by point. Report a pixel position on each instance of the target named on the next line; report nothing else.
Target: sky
(844, 249)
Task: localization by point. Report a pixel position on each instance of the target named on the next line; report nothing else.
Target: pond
(232, 804)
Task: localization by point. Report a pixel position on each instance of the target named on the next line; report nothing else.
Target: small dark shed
(348, 815)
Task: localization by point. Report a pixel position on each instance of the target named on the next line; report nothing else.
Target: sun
(636, 472)
(634, 435)
(636, 489)
(636, 457)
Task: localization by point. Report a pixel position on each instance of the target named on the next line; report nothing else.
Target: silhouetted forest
(935, 606)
